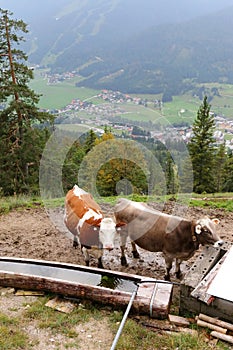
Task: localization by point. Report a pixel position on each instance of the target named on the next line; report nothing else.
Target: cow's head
(107, 233)
(205, 230)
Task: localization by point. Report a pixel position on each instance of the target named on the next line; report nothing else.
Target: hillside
(132, 46)
(168, 58)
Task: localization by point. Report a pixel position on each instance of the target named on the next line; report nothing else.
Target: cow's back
(80, 205)
(151, 229)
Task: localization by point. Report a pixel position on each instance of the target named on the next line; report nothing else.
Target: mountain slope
(131, 45)
(164, 57)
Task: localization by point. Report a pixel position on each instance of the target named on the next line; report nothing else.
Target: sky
(27, 9)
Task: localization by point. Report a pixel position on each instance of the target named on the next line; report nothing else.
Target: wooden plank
(178, 320)
(220, 286)
(200, 292)
(61, 305)
(160, 300)
(188, 303)
(202, 265)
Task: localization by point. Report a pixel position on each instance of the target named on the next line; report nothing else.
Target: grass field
(59, 95)
(182, 108)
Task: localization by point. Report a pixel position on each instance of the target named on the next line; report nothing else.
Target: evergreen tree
(20, 114)
(202, 150)
(228, 174)
(171, 175)
(71, 165)
(90, 141)
(186, 178)
(220, 161)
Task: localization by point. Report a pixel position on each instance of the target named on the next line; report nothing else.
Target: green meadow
(182, 108)
(59, 95)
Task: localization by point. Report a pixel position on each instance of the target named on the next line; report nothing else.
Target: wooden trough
(195, 287)
(104, 286)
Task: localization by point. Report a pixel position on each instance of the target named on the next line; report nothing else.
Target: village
(111, 112)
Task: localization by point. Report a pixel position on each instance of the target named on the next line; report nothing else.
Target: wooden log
(221, 336)
(74, 281)
(141, 304)
(204, 324)
(216, 321)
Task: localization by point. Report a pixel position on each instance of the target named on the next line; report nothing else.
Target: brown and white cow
(85, 220)
(152, 230)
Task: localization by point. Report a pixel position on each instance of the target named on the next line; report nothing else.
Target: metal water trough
(194, 296)
(100, 285)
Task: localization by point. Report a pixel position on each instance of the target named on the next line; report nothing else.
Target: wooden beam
(216, 321)
(221, 336)
(204, 324)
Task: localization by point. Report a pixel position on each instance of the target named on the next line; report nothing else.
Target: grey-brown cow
(152, 230)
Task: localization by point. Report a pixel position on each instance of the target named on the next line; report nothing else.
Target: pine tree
(171, 175)
(90, 141)
(228, 173)
(19, 139)
(219, 165)
(202, 149)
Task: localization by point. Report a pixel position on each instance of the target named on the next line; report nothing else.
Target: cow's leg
(86, 255)
(134, 251)
(123, 257)
(75, 242)
(168, 262)
(178, 271)
(123, 247)
(99, 256)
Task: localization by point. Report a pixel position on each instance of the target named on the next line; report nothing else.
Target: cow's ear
(120, 223)
(216, 221)
(198, 229)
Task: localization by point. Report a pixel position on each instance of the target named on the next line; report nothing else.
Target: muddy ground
(40, 234)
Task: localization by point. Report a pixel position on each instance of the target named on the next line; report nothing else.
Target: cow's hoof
(167, 278)
(179, 275)
(100, 266)
(136, 254)
(123, 261)
(75, 243)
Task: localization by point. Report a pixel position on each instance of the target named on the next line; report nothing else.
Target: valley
(79, 108)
